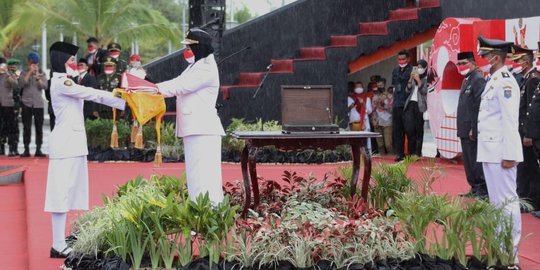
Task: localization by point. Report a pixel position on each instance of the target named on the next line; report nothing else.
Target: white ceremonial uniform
(67, 179)
(498, 140)
(198, 123)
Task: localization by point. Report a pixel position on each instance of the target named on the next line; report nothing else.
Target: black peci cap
(489, 45)
(83, 61)
(92, 39)
(465, 56)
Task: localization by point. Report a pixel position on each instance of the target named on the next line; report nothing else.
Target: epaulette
(505, 75)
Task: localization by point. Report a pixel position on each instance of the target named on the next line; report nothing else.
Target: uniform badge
(507, 93)
(505, 75)
(68, 83)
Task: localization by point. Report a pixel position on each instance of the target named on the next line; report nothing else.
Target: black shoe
(26, 153)
(60, 254)
(39, 154)
(398, 158)
(13, 153)
(536, 214)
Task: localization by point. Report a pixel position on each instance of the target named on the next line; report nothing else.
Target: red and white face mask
(108, 70)
(114, 54)
(71, 69)
(517, 68)
(91, 48)
(464, 69)
(402, 63)
(189, 56)
(82, 69)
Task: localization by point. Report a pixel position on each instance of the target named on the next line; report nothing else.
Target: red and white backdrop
(453, 36)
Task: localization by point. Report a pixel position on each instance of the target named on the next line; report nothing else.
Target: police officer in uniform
(115, 51)
(108, 80)
(499, 143)
(67, 175)
(528, 174)
(532, 133)
(9, 131)
(197, 122)
(467, 119)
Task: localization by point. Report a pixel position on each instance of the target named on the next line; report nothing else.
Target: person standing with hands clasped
(467, 123)
(499, 143)
(197, 121)
(67, 176)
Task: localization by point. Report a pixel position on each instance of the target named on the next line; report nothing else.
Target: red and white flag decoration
(132, 83)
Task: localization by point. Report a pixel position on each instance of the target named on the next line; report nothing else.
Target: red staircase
(286, 66)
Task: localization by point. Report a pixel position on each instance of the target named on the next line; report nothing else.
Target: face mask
(136, 64)
(92, 49)
(189, 56)
(402, 63)
(517, 68)
(421, 71)
(359, 90)
(538, 63)
(82, 70)
(71, 70)
(108, 70)
(464, 70)
(114, 54)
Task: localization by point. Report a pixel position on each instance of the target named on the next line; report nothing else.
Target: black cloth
(473, 169)
(414, 128)
(528, 171)
(10, 128)
(400, 78)
(398, 131)
(27, 114)
(88, 80)
(469, 103)
(531, 124)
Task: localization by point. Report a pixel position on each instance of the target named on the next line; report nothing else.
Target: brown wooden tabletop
(300, 141)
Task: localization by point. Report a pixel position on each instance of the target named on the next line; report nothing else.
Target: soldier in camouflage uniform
(108, 81)
(115, 51)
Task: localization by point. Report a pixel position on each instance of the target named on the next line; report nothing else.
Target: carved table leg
(367, 171)
(252, 164)
(247, 189)
(356, 167)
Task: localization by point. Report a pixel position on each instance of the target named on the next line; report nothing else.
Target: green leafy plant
(390, 180)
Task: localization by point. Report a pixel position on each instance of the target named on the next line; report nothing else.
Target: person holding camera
(32, 82)
(415, 106)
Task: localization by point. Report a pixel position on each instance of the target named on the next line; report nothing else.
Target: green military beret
(13, 61)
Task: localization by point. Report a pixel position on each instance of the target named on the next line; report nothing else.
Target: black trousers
(9, 130)
(414, 128)
(528, 176)
(398, 131)
(37, 114)
(473, 169)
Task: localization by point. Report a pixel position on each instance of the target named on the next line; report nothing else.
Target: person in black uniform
(467, 122)
(528, 173)
(9, 131)
(108, 80)
(88, 80)
(532, 126)
(115, 51)
(400, 77)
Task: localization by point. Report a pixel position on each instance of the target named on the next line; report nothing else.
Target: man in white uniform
(197, 121)
(499, 143)
(67, 179)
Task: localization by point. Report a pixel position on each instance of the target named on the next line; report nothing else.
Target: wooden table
(300, 141)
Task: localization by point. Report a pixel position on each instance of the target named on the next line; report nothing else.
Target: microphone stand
(233, 54)
(268, 69)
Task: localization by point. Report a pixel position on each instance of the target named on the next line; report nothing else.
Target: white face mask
(108, 72)
(402, 65)
(359, 90)
(421, 71)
